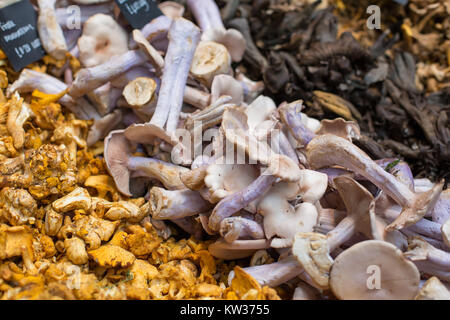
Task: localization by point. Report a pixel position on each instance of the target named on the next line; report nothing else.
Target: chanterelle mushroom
(102, 38)
(350, 276)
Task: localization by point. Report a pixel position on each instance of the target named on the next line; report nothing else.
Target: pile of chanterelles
(262, 182)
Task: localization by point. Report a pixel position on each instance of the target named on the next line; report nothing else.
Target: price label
(19, 38)
(139, 12)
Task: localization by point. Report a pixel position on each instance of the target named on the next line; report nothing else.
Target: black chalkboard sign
(139, 12)
(19, 38)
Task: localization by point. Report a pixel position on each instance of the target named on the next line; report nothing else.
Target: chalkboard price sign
(139, 12)
(19, 38)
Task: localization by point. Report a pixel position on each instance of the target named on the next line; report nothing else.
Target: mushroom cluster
(176, 140)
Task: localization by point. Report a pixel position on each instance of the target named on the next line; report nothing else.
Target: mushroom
(50, 32)
(156, 32)
(76, 250)
(18, 113)
(235, 228)
(313, 250)
(236, 130)
(184, 37)
(210, 59)
(223, 180)
(428, 259)
(329, 150)
(433, 289)
(176, 204)
(88, 79)
(208, 17)
(349, 280)
(78, 199)
(121, 163)
(30, 80)
(283, 220)
(226, 85)
(102, 38)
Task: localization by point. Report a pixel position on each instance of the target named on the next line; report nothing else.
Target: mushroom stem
(234, 228)
(423, 226)
(51, 34)
(345, 229)
(168, 174)
(327, 150)
(91, 78)
(156, 33)
(290, 115)
(239, 200)
(196, 98)
(252, 89)
(207, 14)
(176, 204)
(273, 274)
(30, 80)
(428, 258)
(184, 37)
(209, 116)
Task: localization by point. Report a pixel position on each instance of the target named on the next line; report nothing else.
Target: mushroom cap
(226, 179)
(340, 127)
(226, 85)
(359, 202)
(117, 153)
(102, 39)
(349, 276)
(146, 133)
(171, 9)
(152, 54)
(139, 91)
(232, 39)
(446, 232)
(259, 111)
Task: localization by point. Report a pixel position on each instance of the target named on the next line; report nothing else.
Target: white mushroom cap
(226, 85)
(226, 179)
(349, 277)
(259, 111)
(313, 185)
(210, 59)
(102, 38)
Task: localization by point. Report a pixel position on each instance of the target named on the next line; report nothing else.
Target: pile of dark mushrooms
(290, 195)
